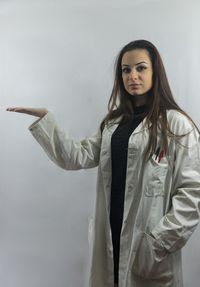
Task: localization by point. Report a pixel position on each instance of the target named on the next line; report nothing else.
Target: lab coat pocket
(157, 175)
(152, 260)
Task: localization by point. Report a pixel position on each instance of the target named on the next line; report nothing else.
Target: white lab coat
(161, 204)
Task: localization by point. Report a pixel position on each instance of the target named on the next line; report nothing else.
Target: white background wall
(60, 54)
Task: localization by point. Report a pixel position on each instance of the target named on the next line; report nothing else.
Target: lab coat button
(130, 188)
(137, 224)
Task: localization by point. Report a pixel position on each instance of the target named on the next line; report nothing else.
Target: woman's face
(137, 72)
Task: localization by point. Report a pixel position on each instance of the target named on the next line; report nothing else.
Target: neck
(139, 100)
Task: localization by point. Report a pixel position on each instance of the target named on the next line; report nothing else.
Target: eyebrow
(143, 62)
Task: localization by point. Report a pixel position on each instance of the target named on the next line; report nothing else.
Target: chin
(135, 94)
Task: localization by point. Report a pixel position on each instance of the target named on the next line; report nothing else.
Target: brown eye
(141, 68)
(126, 70)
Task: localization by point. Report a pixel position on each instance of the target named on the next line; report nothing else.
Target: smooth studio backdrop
(60, 54)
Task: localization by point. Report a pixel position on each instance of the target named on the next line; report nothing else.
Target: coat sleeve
(62, 149)
(175, 228)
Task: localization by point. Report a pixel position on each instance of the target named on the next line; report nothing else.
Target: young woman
(148, 189)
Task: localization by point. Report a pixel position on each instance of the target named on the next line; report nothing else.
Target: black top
(119, 149)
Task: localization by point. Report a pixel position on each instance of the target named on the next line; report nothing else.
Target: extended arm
(59, 146)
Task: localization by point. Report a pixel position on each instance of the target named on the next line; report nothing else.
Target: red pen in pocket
(161, 155)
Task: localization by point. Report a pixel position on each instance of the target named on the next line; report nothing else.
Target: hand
(37, 112)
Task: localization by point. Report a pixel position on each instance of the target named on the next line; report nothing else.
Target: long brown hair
(160, 97)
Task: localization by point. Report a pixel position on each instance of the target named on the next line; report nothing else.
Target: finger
(10, 109)
(13, 109)
(18, 110)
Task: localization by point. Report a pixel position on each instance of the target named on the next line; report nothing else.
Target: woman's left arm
(175, 228)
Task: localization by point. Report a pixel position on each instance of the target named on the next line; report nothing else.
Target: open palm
(37, 112)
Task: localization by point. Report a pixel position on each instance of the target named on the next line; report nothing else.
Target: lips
(134, 86)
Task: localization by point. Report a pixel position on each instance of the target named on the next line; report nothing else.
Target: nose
(133, 75)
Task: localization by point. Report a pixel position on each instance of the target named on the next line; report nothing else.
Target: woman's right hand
(37, 112)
